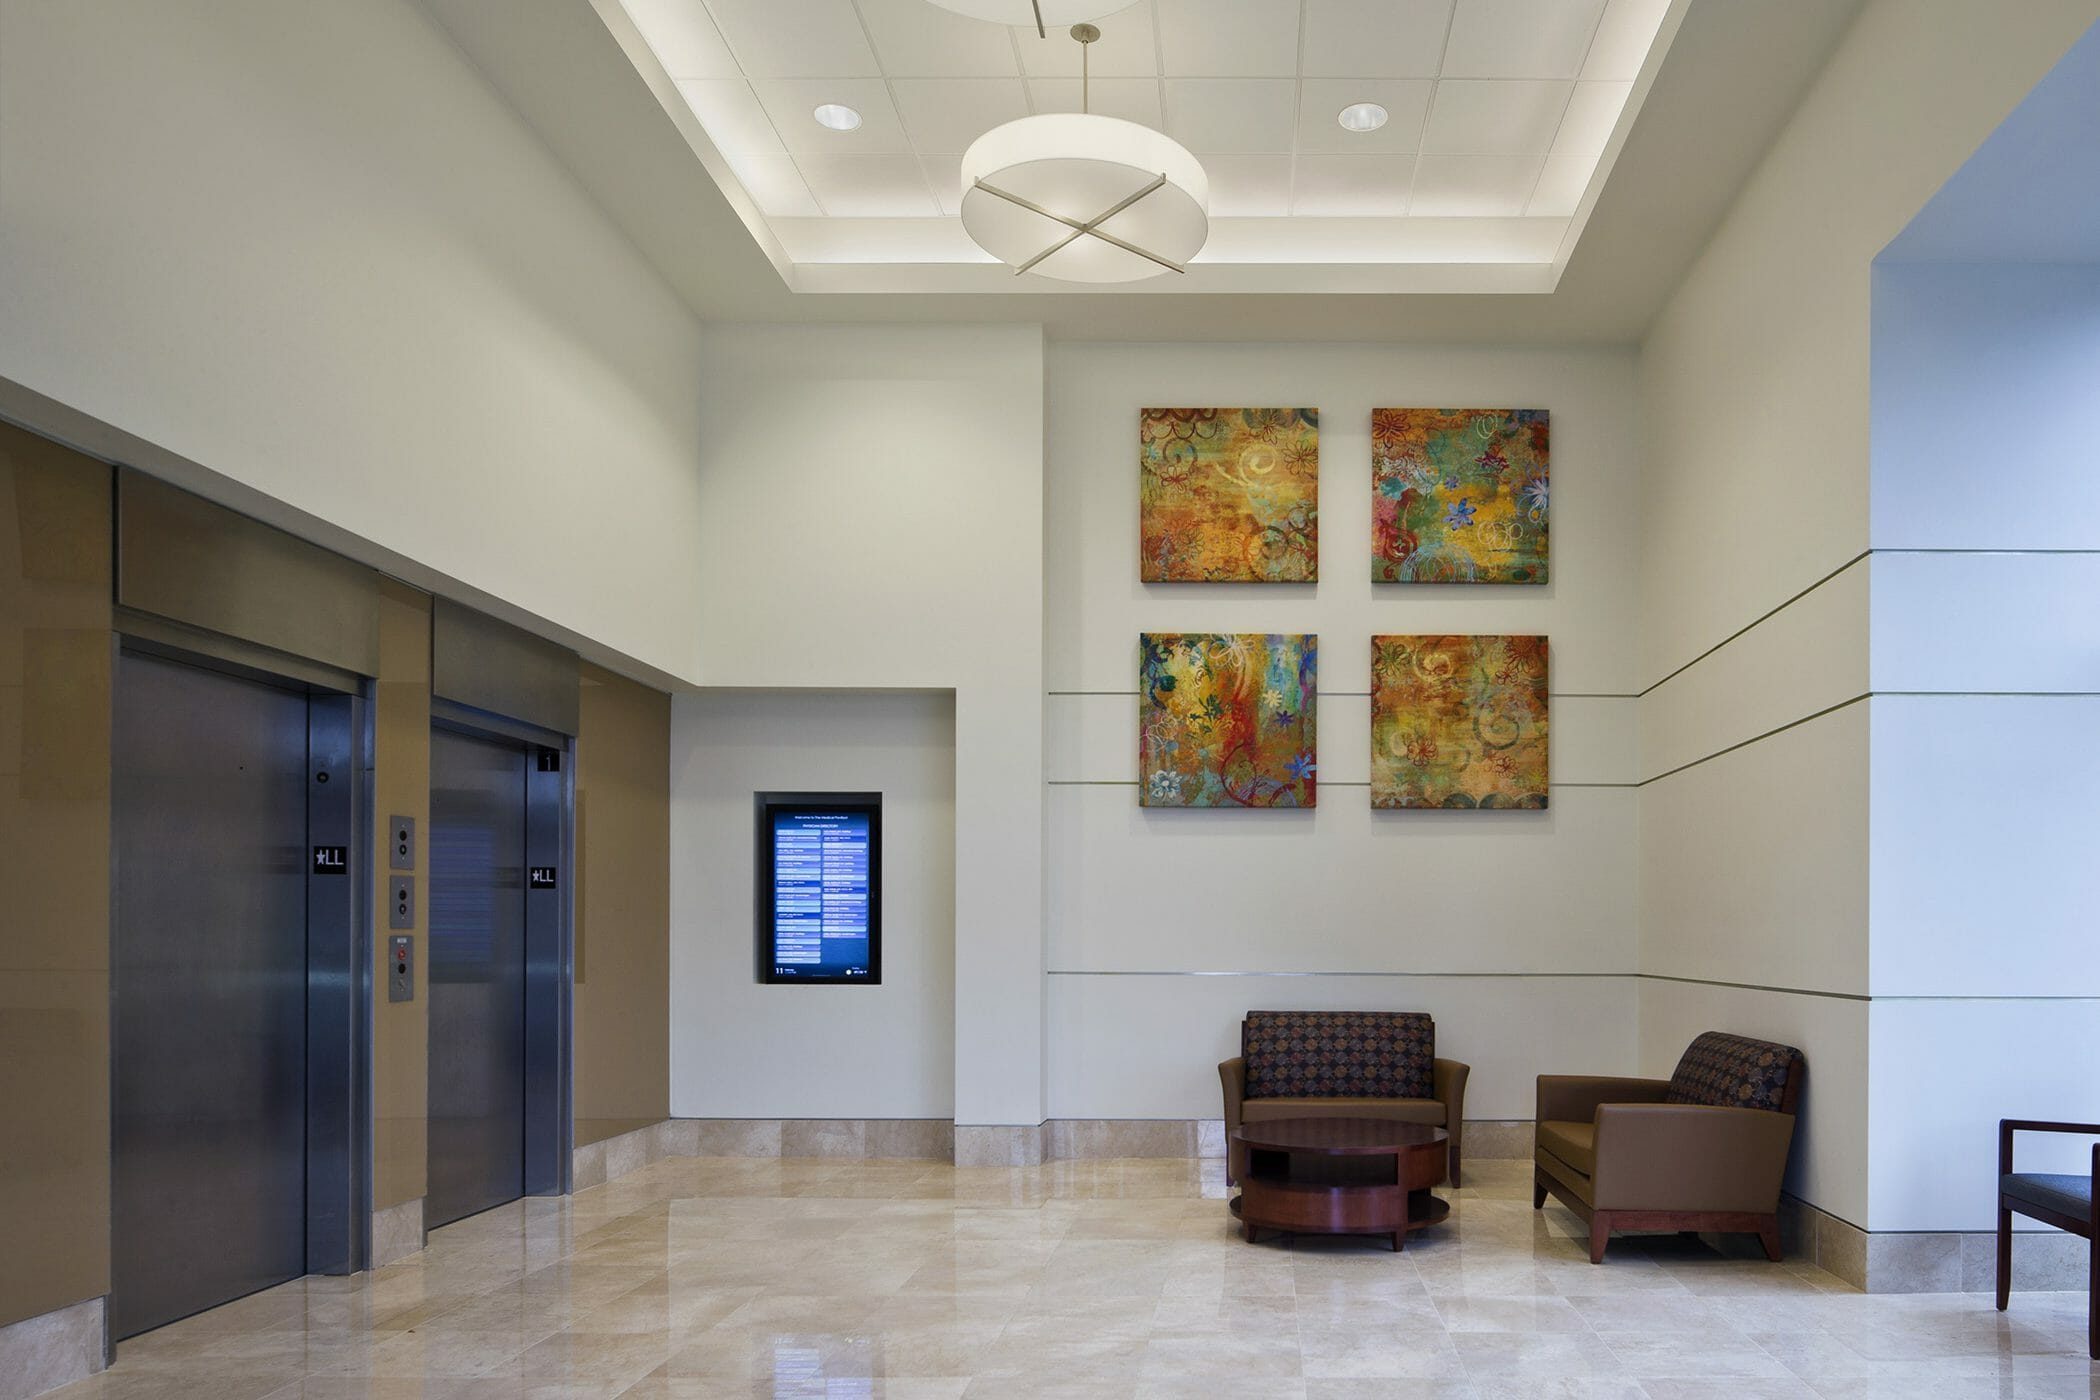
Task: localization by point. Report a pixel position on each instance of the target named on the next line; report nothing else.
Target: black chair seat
(2066, 1195)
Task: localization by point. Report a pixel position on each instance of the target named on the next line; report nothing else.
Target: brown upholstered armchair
(1704, 1149)
(1342, 1064)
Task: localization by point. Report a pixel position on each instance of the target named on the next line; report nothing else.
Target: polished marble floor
(1117, 1280)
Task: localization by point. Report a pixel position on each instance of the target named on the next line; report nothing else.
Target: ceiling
(1501, 113)
(1733, 75)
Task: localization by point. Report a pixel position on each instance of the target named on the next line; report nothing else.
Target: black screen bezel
(768, 805)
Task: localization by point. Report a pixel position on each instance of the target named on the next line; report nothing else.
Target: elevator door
(477, 975)
(208, 1143)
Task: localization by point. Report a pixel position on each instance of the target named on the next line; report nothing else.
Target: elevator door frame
(339, 975)
(550, 805)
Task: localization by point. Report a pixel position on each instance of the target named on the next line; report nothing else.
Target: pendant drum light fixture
(1083, 198)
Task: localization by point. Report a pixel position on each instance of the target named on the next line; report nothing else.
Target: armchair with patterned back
(1342, 1064)
(1705, 1149)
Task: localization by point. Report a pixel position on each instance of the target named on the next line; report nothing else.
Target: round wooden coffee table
(1340, 1176)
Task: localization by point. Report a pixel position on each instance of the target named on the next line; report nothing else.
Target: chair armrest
(1680, 1156)
(1232, 1075)
(1448, 1087)
(2008, 1126)
(1573, 1098)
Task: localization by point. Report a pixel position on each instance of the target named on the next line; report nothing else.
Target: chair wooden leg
(1768, 1236)
(2092, 1298)
(1538, 1190)
(2004, 1255)
(1454, 1169)
(1600, 1235)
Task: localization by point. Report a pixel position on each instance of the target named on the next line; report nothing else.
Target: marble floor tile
(787, 1278)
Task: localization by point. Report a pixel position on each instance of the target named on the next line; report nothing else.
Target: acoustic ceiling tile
(1374, 38)
(1520, 38)
(1478, 187)
(1232, 116)
(1228, 38)
(1350, 187)
(947, 114)
(1477, 117)
(796, 38)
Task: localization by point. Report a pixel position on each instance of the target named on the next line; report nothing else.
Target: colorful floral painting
(1458, 722)
(1229, 495)
(1460, 495)
(1226, 720)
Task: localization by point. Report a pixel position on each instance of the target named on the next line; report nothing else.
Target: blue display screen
(823, 885)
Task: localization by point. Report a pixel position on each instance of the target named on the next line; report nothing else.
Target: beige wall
(54, 827)
(1757, 721)
(400, 787)
(621, 1013)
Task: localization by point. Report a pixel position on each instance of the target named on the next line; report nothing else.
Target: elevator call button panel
(401, 967)
(401, 843)
(401, 901)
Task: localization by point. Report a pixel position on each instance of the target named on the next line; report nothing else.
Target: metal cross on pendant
(1090, 228)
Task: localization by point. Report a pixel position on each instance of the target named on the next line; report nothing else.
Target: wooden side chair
(2067, 1202)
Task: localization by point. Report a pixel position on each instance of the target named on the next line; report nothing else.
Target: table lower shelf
(1322, 1208)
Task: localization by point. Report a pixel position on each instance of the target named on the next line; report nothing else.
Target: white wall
(1515, 929)
(741, 1049)
(1756, 729)
(871, 516)
(310, 249)
(1986, 668)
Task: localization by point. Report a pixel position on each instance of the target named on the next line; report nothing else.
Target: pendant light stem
(1086, 34)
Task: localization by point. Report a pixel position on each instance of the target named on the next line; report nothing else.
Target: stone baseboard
(397, 1232)
(967, 1145)
(1953, 1261)
(53, 1349)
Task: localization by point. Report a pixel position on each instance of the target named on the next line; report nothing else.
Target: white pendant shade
(1055, 13)
(1084, 198)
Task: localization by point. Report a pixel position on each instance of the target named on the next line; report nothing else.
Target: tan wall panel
(401, 763)
(55, 509)
(186, 558)
(623, 906)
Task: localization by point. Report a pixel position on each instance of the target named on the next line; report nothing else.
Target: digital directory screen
(820, 868)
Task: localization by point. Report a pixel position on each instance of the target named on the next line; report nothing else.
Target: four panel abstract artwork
(1458, 722)
(1226, 720)
(1460, 495)
(1229, 495)
(1232, 495)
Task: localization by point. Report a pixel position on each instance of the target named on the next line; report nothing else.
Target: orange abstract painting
(1460, 495)
(1229, 495)
(1458, 722)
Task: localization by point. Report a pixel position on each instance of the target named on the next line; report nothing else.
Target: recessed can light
(1361, 116)
(839, 117)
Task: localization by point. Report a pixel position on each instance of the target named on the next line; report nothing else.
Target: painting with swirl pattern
(1229, 495)
(1458, 722)
(1227, 720)
(1460, 495)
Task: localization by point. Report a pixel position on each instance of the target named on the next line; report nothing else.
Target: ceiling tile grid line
(890, 83)
(1496, 109)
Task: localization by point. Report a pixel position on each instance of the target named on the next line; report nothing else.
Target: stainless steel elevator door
(208, 1143)
(477, 975)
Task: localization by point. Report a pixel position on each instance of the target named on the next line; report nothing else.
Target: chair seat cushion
(2066, 1195)
(1573, 1143)
(1390, 1110)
